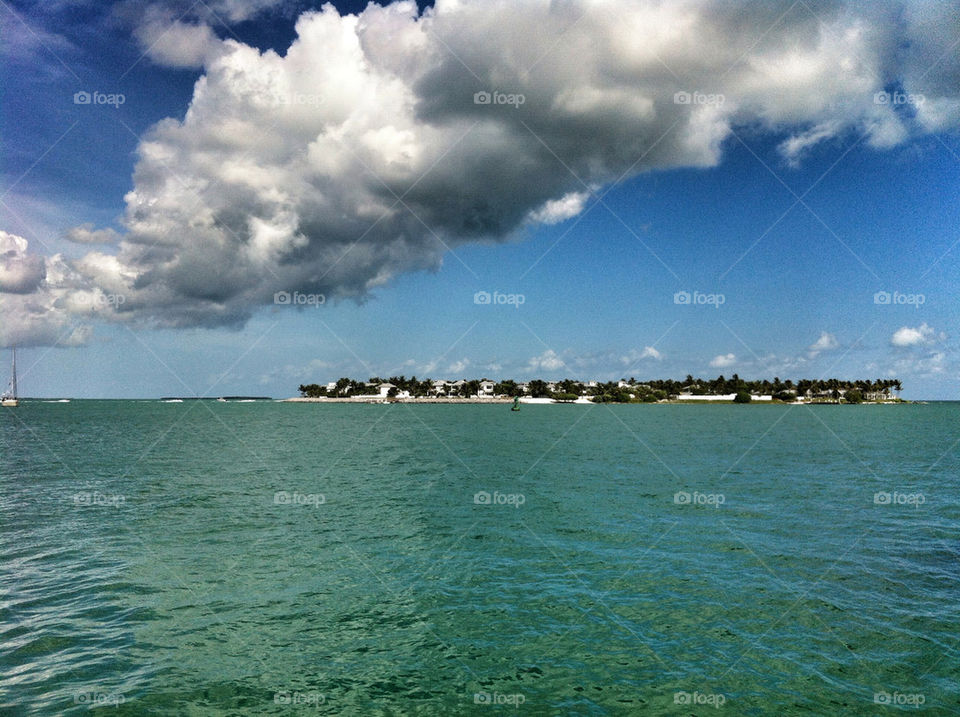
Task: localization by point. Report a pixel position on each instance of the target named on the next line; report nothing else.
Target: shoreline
(552, 402)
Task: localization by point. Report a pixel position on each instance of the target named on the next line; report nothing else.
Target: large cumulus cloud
(361, 152)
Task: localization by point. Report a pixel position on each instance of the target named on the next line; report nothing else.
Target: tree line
(622, 391)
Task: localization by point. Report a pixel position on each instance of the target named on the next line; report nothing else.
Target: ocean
(206, 558)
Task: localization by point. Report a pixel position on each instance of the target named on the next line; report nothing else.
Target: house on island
(486, 388)
(332, 389)
(385, 389)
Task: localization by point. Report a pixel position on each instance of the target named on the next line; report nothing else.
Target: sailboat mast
(13, 371)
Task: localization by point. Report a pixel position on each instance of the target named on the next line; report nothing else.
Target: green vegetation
(623, 391)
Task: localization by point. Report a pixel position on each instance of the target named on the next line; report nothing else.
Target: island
(689, 390)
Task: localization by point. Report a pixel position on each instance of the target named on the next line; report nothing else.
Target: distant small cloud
(172, 43)
(547, 361)
(826, 342)
(635, 356)
(558, 210)
(86, 234)
(723, 361)
(907, 336)
(927, 363)
(458, 367)
(793, 148)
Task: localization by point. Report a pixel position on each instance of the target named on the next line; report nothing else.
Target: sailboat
(9, 398)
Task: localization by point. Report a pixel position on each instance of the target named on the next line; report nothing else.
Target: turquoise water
(267, 558)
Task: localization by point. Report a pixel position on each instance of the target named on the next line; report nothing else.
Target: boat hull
(10, 402)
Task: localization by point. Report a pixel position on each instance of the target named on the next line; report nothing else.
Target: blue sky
(795, 243)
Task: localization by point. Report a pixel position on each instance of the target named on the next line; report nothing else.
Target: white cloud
(826, 342)
(176, 44)
(20, 272)
(794, 147)
(723, 361)
(549, 360)
(906, 336)
(648, 352)
(284, 171)
(86, 234)
(922, 363)
(555, 211)
(457, 368)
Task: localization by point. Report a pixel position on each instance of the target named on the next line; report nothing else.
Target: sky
(239, 196)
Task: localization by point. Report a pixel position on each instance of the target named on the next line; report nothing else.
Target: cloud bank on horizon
(365, 151)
